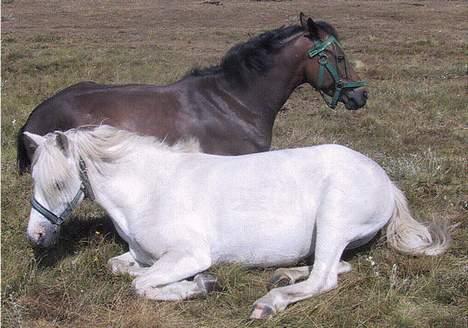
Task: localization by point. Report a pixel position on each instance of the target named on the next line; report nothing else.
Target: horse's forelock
(51, 172)
(328, 28)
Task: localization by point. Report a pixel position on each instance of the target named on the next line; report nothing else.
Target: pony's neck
(118, 186)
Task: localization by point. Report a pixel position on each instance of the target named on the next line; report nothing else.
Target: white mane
(97, 146)
(108, 144)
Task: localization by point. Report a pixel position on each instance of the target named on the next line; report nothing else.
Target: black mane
(253, 56)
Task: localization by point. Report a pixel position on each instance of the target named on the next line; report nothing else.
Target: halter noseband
(340, 85)
(85, 189)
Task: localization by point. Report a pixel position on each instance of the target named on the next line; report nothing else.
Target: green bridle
(340, 85)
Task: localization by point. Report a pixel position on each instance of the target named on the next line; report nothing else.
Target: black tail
(22, 159)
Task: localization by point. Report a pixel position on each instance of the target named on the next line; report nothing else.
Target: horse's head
(327, 68)
(58, 186)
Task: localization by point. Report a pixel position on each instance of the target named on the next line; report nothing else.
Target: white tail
(409, 236)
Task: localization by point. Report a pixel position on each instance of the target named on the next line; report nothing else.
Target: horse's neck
(120, 188)
(265, 94)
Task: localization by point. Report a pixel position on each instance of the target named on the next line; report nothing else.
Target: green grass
(414, 126)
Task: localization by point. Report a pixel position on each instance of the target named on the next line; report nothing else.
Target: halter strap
(85, 189)
(321, 46)
(88, 191)
(340, 85)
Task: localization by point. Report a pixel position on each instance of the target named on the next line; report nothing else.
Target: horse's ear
(309, 25)
(32, 141)
(313, 29)
(62, 142)
(303, 20)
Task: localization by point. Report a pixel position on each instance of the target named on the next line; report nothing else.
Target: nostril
(365, 94)
(38, 237)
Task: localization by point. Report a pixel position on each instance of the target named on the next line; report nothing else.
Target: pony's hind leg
(330, 244)
(288, 276)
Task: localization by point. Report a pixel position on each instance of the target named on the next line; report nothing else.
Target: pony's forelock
(51, 172)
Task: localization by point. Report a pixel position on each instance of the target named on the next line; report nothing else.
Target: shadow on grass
(348, 254)
(76, 234)
(79, 233)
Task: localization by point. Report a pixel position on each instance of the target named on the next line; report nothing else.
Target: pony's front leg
(126, 263)
(172, 267)
(201, 285)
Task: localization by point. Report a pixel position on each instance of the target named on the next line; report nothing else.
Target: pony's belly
(270, 248)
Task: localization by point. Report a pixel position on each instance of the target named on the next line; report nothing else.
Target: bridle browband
(340, 85)
(85, 189)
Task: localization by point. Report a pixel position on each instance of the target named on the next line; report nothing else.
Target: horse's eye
(340, 58)
(59, 186)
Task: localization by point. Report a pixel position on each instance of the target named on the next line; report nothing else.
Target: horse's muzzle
(42, 238)
(355, 98)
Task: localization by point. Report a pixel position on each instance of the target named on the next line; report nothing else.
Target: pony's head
(58, 186)
(327, 68)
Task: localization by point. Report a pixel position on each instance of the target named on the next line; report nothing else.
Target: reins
(340, 85)
(85, 190)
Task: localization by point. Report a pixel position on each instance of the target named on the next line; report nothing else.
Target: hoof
(261, 312)
(207, 282)
(280, 280)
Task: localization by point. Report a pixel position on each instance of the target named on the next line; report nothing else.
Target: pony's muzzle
(42, 237)
(355, 98)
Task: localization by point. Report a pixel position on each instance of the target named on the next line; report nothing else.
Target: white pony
(181, 212)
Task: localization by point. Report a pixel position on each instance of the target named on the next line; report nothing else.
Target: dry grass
(413, 53)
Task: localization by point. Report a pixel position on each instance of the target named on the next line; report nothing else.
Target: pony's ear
(62, 142)
(309, 25)
(32, 140)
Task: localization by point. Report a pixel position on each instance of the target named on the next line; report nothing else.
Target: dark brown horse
(230, 108)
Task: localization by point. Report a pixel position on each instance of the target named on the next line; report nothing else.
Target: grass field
(414, 54)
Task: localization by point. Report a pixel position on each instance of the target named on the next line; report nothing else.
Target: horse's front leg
(126, 263)
(202, 284)
(162, 281)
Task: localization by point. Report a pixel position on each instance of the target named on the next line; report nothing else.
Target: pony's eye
(340, 58)
(59, 186)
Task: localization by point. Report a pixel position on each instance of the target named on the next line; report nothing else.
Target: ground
(412, 52)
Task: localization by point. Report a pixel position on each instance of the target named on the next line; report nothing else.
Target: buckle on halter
(323, 59)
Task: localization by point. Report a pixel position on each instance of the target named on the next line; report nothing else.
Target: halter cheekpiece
(340, 85)
(85, 189)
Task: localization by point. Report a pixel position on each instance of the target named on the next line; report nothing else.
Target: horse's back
(90, 103)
